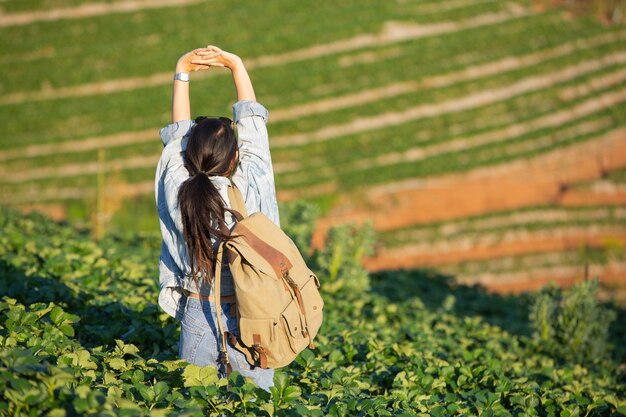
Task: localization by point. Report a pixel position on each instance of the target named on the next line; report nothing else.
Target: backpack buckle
(290, 280)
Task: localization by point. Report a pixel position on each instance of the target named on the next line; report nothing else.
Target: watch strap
(181, 76)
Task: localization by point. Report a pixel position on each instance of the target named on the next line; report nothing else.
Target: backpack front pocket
(264, 333)
(295, 328)
(313, 305)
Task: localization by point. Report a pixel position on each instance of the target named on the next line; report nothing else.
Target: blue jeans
(199, 342)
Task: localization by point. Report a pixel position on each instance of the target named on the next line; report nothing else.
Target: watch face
(182, 76)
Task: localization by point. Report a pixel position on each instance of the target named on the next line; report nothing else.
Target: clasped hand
(204, 58)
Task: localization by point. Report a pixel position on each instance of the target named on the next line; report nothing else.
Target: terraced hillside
(484, 138)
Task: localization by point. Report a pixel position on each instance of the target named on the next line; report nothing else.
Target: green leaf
(161, 390)
(56, 412)
(146, 392)
(137, 376)
(291, 393)
(67, 329)
(126, 349)
(118, 364)
(194, 375)
(56, 315)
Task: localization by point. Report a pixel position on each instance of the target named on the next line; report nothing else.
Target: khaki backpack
(279, 307)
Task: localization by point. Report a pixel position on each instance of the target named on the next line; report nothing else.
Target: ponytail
(211, 148)
(202, 213)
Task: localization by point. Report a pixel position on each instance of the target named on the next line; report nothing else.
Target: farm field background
(483, 138)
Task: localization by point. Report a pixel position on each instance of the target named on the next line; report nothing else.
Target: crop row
(573, 264)
(529, 262)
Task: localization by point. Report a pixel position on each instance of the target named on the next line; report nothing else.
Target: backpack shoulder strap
(217, 283)
(237, 202)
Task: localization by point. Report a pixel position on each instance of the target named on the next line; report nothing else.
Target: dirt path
(491, 246)
(89, 10)
(538, 180)
(391, 33)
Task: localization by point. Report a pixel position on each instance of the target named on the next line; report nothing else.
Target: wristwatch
(181, 76)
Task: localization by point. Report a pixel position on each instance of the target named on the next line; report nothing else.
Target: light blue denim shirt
(254, 177)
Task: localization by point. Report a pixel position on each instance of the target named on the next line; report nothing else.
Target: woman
(191, 185)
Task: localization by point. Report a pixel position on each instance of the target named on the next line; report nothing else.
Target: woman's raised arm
(181, 109)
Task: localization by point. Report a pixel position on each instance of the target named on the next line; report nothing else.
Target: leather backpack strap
(255, 354)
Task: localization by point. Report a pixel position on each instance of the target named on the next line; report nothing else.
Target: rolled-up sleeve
(176, 131)
(255, 175)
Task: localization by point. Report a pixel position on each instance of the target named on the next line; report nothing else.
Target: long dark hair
(211, 150)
